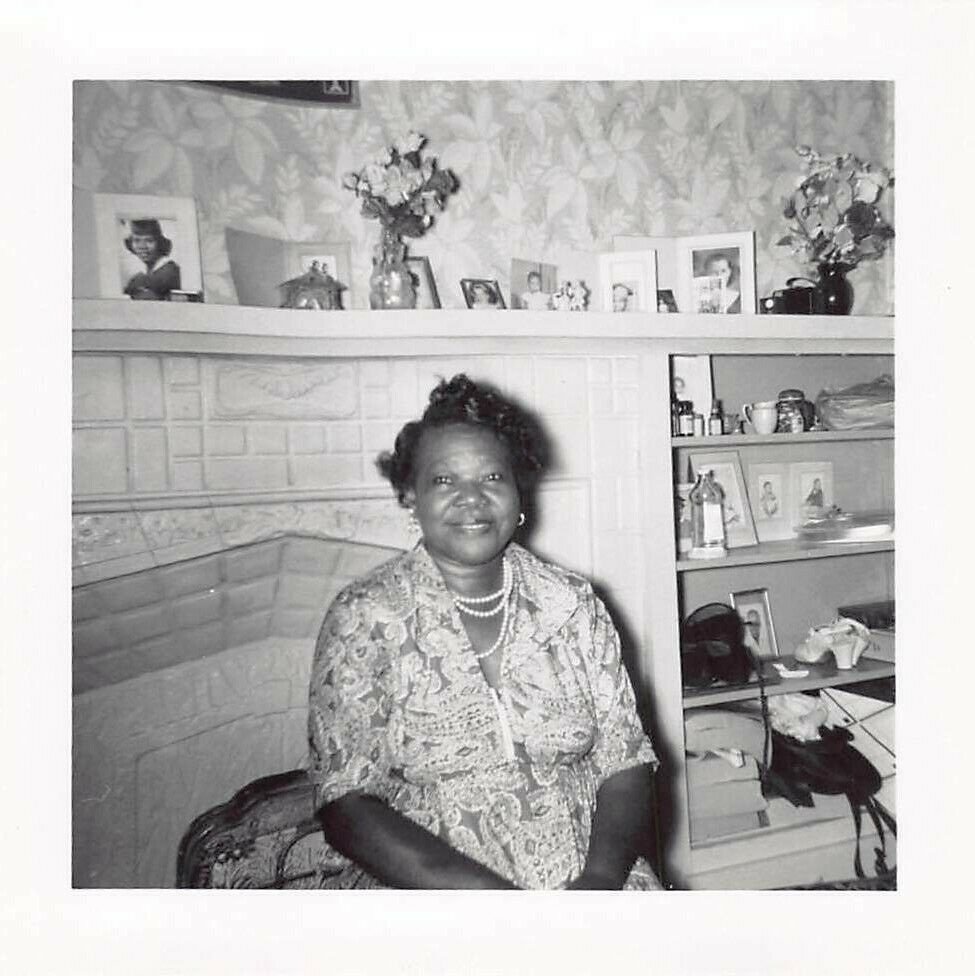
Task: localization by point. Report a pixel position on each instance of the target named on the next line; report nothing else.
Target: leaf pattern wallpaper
(544, 166)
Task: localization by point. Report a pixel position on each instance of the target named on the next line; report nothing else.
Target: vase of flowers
(402, 191)
(837, 222)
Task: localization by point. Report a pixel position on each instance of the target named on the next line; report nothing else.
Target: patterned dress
(400, 709)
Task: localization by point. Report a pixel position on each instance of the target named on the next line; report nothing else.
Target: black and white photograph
(533, 283)
(628, 281)
(739, 526)
(424, 282)
(769, 491)
(482, 294)
(812, 489)
(717, 273)
(147, 247)
(756, 616)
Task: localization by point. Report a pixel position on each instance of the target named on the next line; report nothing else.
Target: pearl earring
(521, 519)
(413, 526)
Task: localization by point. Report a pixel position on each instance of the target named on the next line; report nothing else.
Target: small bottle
(707, 518)
(674, 417)
(685, 418)
(715, 421)
(698, 425)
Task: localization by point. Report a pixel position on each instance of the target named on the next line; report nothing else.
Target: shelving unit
(806, 581)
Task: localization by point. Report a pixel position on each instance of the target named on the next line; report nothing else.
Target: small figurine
(572, 296)
(315, 289)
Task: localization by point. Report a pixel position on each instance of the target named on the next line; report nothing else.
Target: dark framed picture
(339, 94)
(423, 281)
(482, 293)
(533, 284)
(717, 273)
(756, 614)
(147, 247)
(666, 301)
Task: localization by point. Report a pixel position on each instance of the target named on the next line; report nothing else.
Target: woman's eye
(441, 479)
(495, 476)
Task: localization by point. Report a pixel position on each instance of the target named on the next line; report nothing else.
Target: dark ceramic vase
(834, 292)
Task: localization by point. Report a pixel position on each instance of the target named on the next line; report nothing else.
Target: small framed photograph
(533, 284)
(148, 247)
(756, 614)
(768, 489)
(423, 281)
(690, 379)
(811, 483)
(717, 273)
(726, 465)
(666, 301)
(482, 293)
(628, 281)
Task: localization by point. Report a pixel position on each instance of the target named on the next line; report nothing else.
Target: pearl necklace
(468, 604)
(503, 595)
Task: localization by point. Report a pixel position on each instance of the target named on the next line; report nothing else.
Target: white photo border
(770, 529)
(110, 207)
(742, 241)
(638, 266)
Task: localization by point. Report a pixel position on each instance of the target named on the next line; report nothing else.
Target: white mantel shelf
(116, 325)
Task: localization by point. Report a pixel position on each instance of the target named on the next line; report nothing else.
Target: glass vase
(391, 282)
(834, 292)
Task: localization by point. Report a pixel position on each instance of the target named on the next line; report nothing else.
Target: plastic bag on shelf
(859, 407)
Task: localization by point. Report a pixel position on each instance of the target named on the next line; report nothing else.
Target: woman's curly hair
(460, 400)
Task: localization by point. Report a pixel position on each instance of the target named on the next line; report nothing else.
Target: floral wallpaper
(543, 166)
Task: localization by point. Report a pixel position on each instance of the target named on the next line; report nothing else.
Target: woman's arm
(396, 851)
(620, 827)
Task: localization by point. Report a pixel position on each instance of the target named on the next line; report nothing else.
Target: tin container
(795, 412)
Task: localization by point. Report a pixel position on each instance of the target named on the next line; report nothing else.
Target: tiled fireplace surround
(220, 501)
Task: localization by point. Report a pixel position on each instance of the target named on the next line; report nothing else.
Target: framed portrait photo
(424, 283)
(811, 483)
(717, 273)
(533, 284)
(768, 490)
(148, 247)
(739, 528)
(690, 379)
(756, 614)
(628, 281)
(482, 294)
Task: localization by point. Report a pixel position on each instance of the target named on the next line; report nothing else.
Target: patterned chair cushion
(265, 836)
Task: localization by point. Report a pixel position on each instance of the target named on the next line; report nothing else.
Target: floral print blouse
(400, 709)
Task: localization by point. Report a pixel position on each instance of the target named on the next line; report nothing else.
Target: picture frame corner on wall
(726, 465)
(628, 281)
(709, 268)
(147, 247)
(754, 608)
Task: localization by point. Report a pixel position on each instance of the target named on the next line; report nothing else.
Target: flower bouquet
(401, 191)
(835, 213)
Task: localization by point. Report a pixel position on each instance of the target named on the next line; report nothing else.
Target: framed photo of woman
(717, 273)
(147, 247)
(482, 294)
(756, 615)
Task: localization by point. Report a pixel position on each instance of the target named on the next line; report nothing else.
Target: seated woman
(471, 721)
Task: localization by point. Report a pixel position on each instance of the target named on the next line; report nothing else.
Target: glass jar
(795, 412)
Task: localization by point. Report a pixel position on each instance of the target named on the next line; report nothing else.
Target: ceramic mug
(763, 415)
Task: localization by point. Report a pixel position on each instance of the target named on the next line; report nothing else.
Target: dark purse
(712, 647)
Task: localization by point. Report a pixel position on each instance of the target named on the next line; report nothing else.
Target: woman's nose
(471, 492)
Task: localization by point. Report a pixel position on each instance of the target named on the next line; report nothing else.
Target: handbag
(712, 647)
(831, 766)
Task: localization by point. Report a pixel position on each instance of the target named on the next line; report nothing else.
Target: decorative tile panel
(287, 390)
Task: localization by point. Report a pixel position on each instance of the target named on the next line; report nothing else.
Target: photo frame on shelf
(755, 611)
(628, 281)
(811, 487)
(665, 257)
(147, 247)
(769, 490)
(726, 465)
(427, 295)
(482, 294)
(716, 273)
(665, 301)
(532, 284)
(690, 379)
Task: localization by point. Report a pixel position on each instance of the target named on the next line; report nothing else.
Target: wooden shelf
(785, 551)
(820, 676)
(729, 441)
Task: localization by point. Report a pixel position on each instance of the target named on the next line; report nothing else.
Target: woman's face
(464, 494)
(720, 268)
(480, 294)
(144, 246)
